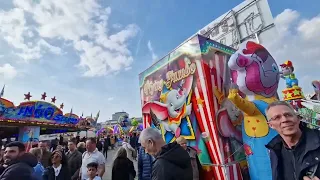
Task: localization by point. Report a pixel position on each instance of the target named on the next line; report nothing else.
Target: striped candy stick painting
(207, 109)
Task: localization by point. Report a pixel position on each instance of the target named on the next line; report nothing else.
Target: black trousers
(105, 151)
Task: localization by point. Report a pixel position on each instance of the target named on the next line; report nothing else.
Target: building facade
(117, 115)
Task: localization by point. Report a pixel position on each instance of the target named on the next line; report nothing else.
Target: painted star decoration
(27, 96)
(53, 100)
(200, 101)
(43, 96)
(61, 106)
(296, 92)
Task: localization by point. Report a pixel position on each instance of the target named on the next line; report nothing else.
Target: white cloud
(82, 24)
(14, 30)
(117, 26)
(298, 41)
(284, 20)
(309, 28)
(154, 56)
(7, 71)
(110, 98)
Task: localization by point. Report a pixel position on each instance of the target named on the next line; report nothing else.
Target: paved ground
(111, 154)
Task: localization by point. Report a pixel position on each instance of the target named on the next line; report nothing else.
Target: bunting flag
(97, 116)
(70, 113)
(2, 91)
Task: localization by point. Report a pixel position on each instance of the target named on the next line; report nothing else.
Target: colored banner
(39, 113)
(29, 134)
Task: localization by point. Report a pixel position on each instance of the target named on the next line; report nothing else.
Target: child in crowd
(92, 169)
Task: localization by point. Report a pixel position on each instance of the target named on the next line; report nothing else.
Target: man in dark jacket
(171, 162)
(43, 145)
(74, 159)
(99, 144)
(144, 165)
(106, 145)
(133, 141)
(295, 152)
(19, 163)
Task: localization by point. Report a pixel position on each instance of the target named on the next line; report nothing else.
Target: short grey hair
(279, 103)
(150, 133)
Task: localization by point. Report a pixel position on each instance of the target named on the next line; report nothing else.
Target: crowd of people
(294, 153)
(52, 163)
(84, 159)
(75, 159)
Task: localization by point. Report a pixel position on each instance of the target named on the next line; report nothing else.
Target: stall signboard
(250, 20)
(37, 112)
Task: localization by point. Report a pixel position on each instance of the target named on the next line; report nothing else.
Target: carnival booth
(310, 110)
(307, 109)
(177, 96)
(32, 118)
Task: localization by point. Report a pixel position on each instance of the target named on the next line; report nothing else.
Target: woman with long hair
(58, 167)
(131, 152)
(123, 168)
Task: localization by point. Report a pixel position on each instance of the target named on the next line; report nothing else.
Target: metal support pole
(257, 37)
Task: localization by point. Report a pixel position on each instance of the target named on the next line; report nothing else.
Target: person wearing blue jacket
(38, 169)
(144, 165)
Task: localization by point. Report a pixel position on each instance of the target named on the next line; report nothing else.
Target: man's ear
(151, 142)
(270, 125)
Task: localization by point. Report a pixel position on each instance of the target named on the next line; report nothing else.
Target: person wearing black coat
(144, 165)
(106, 145)
(310, 155)
(295, 152)
(133, 141)
(123, 168)
(58, 167)
(2, 168)
(19, 163)
(171, 162)
(99, 145)
(74, 159)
